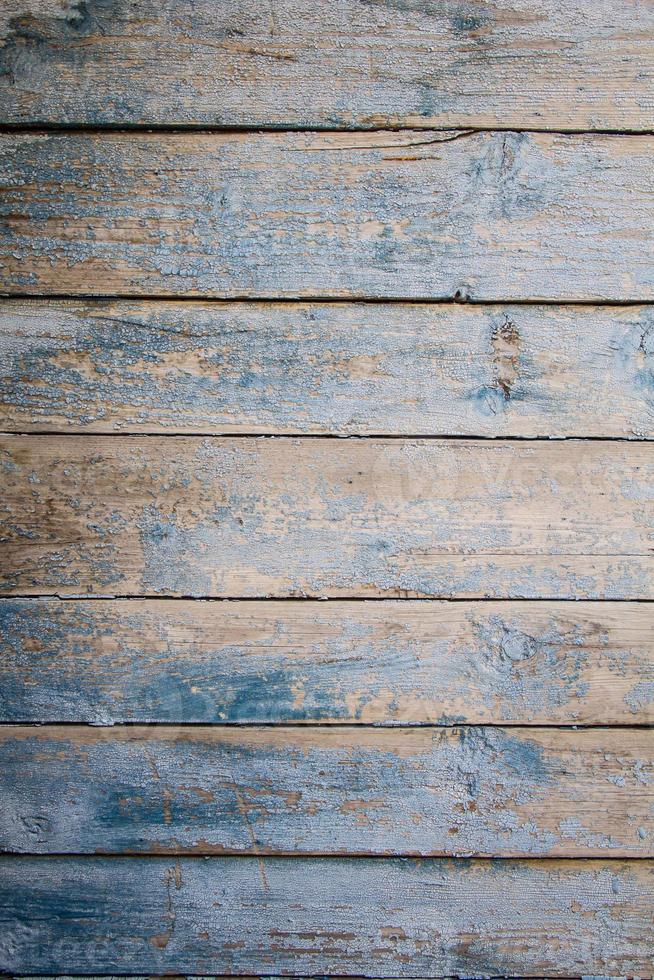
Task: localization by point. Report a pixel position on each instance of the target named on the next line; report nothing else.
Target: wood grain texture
(485, 63)
(449, 791)
(327, 368)
(390, 917)
(281, 517)
(481, 215)
(406, 662)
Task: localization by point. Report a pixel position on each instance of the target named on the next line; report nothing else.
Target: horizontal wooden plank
(419, 215)
(449, 791)
(256, 517)
(383, 662)
(327, 368)
(292, 62)
(390, 917)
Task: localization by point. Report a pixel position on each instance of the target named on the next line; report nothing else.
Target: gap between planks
(463, 859)
(199, 129)
(355, 726)
(318, 298)
(352, 436)
(194, 597)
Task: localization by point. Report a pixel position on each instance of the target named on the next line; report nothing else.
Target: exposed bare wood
(555, 64)
(490, 216)
(327, 368)
(407, 662)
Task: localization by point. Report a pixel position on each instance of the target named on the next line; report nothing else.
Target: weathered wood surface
(490, 216)
(407, 662)
(327, 368)
(448, 791)
(390, 917)
(281, 517)
(557, 64)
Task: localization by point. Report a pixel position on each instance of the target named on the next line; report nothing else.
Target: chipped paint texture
(327, 368)
(280, 517)
(488, 63)
(387, 663)
(405, 917)
(346, 788)
(491, 216)
(483, 791)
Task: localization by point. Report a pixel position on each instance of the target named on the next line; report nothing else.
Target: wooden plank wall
(326, 421)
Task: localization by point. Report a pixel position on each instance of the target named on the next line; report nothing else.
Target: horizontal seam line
(19, 975)
(313, 856)
(307, 725)
(255, 129)
(173, 299)
(153, 597)
(319, 299)
(323, 855)
(315, 436)
(335, 437)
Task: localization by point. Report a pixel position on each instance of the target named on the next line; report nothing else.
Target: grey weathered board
(281, 517)
(448, 791)
(556, 64)
(385, 663)
(387, 918)
(489, 216)
(327, 368)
